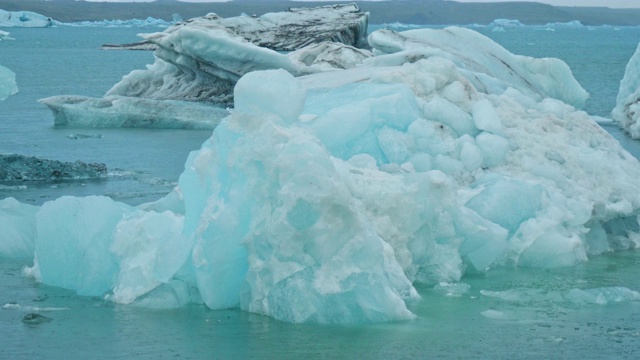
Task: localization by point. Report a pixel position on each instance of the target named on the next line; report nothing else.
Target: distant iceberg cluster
(24, 19)
(7, 83)
(148, 22)
(344, 178)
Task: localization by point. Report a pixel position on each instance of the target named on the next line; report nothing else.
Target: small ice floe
(495, 315)
(83, 136)
(35, 319)
(11, 306)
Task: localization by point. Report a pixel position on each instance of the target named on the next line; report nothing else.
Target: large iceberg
(328, 197)
(628, 101)
(24, 19)
(281, 31)
(201, 59)
(7, 83)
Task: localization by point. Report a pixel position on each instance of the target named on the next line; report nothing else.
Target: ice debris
(326, 197)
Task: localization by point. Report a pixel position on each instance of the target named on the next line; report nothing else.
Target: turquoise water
(536, 318)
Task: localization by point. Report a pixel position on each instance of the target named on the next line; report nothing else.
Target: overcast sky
(608, 3)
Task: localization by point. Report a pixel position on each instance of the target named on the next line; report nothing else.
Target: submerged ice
(327, 197)
(7, 83)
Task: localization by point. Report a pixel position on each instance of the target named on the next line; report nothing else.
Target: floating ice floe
(128, 112)
(30, 168)
(7, 83)
(326, 197)
(506, 23)
(628, 101)
(5, 36)
(24, 19)
(200, 60)
(565, 25)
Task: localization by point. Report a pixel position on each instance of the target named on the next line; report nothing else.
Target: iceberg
(7, 83)
(506, 23)
(199, 61)
(131, 112)
(24, 19)
(566, 25)
(282, 31)
(30, 168)
(328, 197)
(626, 112)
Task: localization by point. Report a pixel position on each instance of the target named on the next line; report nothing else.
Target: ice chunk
(150, 249)
(274, 92)
(486, 118)
(74, 236)
(5, 36)
(475, 54)
(553, 249)
(507, 202)
(444, 111)
(7, 83)
(602, 296)
(471, 156)
(18, 224)
(330, 56)
(494, 148)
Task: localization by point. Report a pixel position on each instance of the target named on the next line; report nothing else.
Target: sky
(607, 3)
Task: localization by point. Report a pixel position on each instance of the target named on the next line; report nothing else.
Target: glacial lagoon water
(503, 314)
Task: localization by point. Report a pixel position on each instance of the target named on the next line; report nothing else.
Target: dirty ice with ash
(330, 191)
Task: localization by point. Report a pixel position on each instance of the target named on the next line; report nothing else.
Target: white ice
(7, 83)
(5, 36)
(24, 19)
(326, 197)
